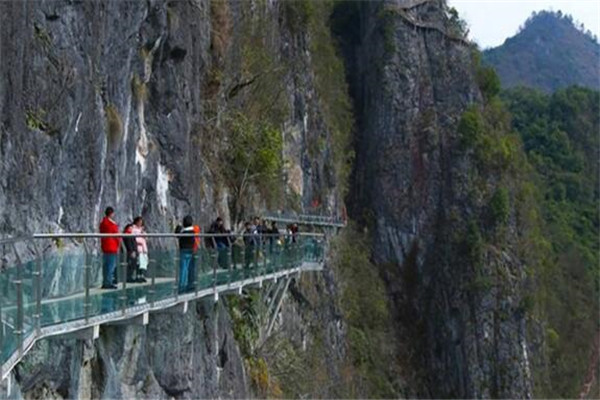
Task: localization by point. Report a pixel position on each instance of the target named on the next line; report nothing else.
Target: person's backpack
(197, 238)
(129, 242)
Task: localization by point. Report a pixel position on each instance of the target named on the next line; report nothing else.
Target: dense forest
(560, 138)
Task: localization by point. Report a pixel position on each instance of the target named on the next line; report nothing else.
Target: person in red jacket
(110, 249)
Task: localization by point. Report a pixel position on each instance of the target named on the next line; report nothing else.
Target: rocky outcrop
(413, 189)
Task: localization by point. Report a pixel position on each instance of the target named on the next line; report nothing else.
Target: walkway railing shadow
(50, 283)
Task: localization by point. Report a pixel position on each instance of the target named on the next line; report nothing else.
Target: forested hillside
(560, 138)
(550, 52)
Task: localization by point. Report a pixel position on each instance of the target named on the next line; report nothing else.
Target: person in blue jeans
(187, 261)
(110, 249)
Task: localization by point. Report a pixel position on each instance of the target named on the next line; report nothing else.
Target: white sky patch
(491, 22)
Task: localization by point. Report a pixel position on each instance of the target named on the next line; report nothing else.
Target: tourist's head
(109, 212)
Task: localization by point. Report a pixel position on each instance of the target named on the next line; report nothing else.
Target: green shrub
(254, 158)
(473, 243)
(470, 127)
(488, 82)
(364, 305)
(500, 207)
(299, 14)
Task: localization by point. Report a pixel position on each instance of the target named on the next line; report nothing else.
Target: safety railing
(52, 279)
(305, 219)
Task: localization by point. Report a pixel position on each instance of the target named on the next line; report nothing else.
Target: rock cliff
(225, 107)
(416, 188)
(160, 109)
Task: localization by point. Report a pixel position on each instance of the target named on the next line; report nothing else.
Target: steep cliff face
(426, 201)
(133, 105)
(164, 108)
(161, 109)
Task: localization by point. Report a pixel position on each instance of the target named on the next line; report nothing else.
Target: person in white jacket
(142, 247)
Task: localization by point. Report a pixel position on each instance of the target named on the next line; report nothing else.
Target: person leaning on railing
(187, 262)
(132, 254)
(249, 244)
(110, 249)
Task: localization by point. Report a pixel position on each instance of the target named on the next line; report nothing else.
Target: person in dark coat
(187, 261)
(249, 244)
(132, 254)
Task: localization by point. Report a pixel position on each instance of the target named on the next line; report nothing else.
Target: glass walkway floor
(57, 291)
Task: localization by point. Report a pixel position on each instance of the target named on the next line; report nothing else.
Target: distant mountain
(549, 52)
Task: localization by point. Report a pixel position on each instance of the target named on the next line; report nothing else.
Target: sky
(492, 21)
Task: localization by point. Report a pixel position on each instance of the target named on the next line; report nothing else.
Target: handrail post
(215, 263)
(86, 268)
(197, 262)
(38, 287)
(124, 281)
(264, 252)
(152, 290)
(178, 258)
(19, 291)
(2, 325)
(230, 264)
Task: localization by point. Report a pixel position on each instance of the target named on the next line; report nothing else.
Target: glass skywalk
(52, 286)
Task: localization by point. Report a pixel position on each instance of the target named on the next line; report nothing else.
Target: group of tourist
(136, 249)
(256, 234)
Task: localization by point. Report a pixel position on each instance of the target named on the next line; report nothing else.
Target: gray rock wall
(108, 103)
(114, 103)
(412, 78)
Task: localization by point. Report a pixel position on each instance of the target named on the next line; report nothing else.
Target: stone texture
(108, 103)
(411, 83)
(173, 356)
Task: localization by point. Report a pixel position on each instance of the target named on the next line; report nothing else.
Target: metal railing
(50, 283)
(305, 219)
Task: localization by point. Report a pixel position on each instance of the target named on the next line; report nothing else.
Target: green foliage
(248, 315)
(473, 243)
(245, 316)
(35, 120)
(487, 133)
(560, 136)
(488, 82)
(254, 157)
(470, 127)
(549, 53)
(365, 308)
(299, 14)
(331, 86)
(500, 207)
(458, 26)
